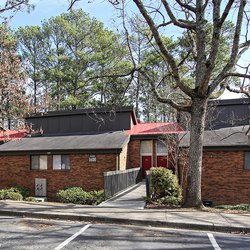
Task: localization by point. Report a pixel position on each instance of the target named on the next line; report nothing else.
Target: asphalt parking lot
(25, 233)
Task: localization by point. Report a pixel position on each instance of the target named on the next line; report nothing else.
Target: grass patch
(243, 207)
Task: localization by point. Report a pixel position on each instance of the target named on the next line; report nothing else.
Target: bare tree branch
(186, 6)
(245, 44)
(71, 3)
(200, 33)
(178, 22)
(185, 108)
(226, 11)
(210, 63)
(235, 48)
(241, 91)
(127, 33)
(238, 75)
(205, 4)
(10, 5)
(169, 58)
(131, 72)
(184, 59)
(164, 24)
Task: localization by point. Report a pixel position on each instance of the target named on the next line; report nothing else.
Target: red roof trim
(155, 128)
(12, 134)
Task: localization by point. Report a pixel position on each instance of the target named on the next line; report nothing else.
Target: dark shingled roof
(102, 141)
(224, 137)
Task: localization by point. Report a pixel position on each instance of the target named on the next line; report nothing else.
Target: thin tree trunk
(58, 104)
(35, 95)
(74, 92)
(198, 112)
(9, 123)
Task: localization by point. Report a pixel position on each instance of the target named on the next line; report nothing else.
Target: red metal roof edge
(12, 134)
(134, 131)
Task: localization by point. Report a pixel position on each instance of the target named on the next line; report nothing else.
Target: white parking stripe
(213, 241)
(63, 244)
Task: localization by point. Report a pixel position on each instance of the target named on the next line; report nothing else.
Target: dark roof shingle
(101, 141)
(224, 137)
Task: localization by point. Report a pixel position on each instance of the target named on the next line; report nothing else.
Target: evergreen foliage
(164, 186)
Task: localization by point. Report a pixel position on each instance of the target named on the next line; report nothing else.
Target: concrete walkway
(126, 208)
(132, 198)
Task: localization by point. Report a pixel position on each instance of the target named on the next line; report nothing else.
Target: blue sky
(44, 9)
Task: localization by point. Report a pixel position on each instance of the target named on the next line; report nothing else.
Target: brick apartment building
(226, 152)
(76, 147)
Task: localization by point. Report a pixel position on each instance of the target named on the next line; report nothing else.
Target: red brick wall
(224, 179)
(134, 154)
(154, 154)
(15, 170)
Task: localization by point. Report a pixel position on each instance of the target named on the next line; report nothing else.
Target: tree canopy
(14, 103)
(66, 54)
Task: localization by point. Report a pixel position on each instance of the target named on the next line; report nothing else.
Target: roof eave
(61, 151)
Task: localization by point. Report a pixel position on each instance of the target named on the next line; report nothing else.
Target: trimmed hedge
(164, 187)
(14, 193)
(13, 196)
(8, 194)
(77, 195)
(21, 190)
(30, 199)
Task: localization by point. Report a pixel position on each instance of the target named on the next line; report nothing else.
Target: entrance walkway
(132, 198)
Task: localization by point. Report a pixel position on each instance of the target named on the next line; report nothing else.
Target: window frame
(39, 162)
(149, 146)
(161, 144)
(61, 163)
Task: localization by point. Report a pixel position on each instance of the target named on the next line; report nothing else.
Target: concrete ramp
(132, 198)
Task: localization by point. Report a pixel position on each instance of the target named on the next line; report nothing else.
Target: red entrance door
(162, 161)
(146, 164)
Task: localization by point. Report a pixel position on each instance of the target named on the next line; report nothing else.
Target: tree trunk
(35, 94)
(193, 193)
(58, 97)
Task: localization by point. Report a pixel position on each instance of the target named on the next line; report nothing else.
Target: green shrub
(14, 193)
(164, 188)
(2, 194)
(31, 199)
(97, 196)
(10, 195)
(21, 190)
(71, 195)
(170, 200)
(77, 195)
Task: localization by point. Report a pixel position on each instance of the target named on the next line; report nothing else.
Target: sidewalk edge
(155, 223)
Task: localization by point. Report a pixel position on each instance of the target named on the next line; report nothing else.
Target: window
(39, 162)
(61, 162)
(247, 160)
(161, 148)
(146, 147)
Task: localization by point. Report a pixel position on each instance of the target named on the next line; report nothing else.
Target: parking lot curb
(110, 220)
